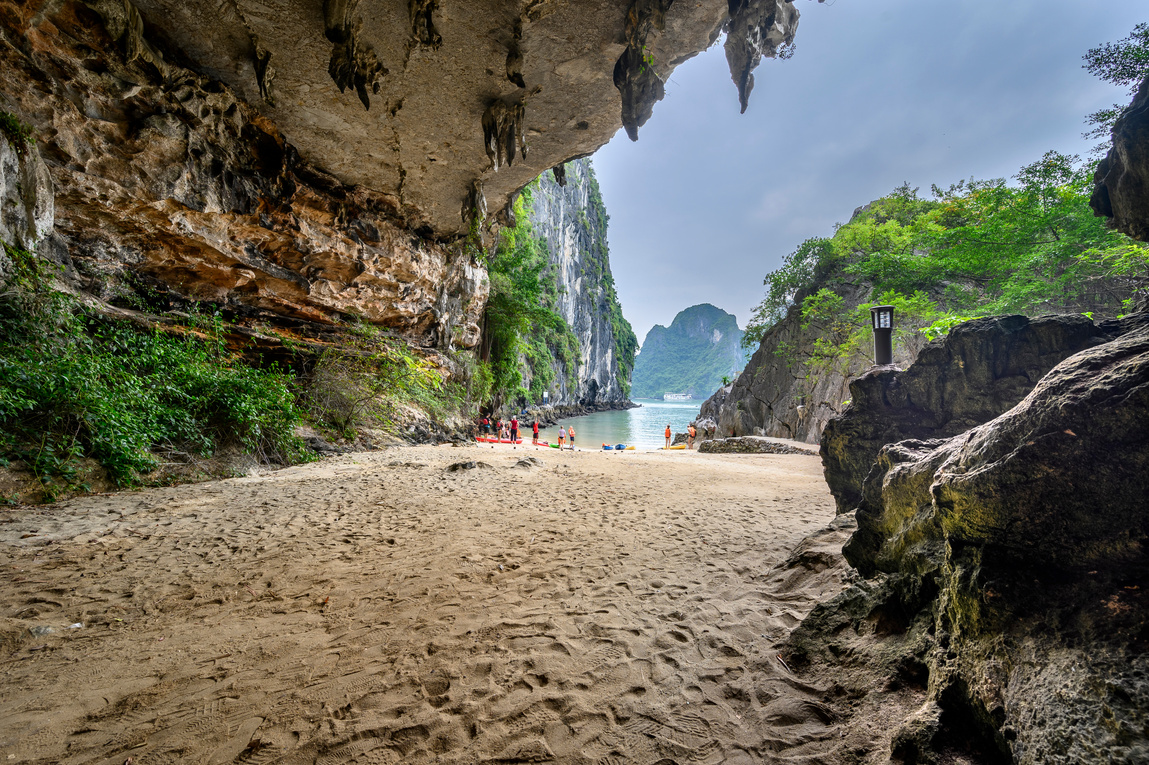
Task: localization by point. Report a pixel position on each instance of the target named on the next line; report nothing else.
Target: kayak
(486, 440)
(554, 446)
(630, 448)
(620, 447)
(679, 446)
(607, 447)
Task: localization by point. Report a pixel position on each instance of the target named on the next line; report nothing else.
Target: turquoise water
(642, 427)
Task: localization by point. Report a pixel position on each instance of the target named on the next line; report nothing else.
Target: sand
(381, 608)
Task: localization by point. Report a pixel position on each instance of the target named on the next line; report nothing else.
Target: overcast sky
(879, 92)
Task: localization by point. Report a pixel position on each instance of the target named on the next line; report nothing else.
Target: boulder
(1004, 616)
(750, 445)
(981, 369)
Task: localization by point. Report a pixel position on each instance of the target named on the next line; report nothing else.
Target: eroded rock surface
(1121, 182)
(1005, 618)
(177, 183)
(981, 369)
(567, 211)
(392, 95)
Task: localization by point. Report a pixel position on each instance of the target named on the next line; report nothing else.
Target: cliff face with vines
(568, 212)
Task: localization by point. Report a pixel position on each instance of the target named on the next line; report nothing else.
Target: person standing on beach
(668, 435)
(691, 432)
(562, 436)
(514, 428)
(535, 431)
(570, 434)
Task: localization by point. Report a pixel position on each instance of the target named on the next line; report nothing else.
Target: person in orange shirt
(570, 435)
(691, 433)
(668, 435)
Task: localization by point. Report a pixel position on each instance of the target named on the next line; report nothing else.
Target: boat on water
(677, 396)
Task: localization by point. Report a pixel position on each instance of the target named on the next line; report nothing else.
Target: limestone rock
(981, 369)
(428, 70)
(1121, 182)
(1032, 526)
(181, 186)
(27, 202)
(776, 395)
(570, 217)
(750, 445)
(1004, 617)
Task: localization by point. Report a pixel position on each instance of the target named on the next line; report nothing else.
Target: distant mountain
(692, 355)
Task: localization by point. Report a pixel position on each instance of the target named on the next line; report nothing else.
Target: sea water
(643, 427)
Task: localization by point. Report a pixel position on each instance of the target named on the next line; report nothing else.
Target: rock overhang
(427, 100)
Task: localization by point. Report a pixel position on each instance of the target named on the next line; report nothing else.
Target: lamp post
(882, 320)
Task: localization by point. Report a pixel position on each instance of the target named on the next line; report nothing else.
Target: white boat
(676, 396)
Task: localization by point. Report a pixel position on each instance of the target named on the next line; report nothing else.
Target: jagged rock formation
(307, 162)
(1004, 618)
(27, 201)
(981, 369)
(568, 212)
(1121, 190)
(180, 186)
(701, 346)
(395, 96)
(778, 394)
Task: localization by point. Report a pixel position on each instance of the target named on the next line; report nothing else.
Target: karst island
(650, 382)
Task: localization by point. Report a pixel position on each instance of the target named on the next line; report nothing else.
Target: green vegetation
(19, 135)
(1125, 63)
(75, 385)
(625, 341)
(368, 378)
(521, 322)
(523, 330)
(976, 248)
(699, 350)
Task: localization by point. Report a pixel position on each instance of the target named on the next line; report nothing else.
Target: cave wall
(179, 184)
(572, 220)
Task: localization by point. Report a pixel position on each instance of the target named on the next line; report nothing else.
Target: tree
(1125, 63)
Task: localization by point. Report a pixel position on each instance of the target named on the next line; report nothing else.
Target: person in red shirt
(514, 429)
(668, 435)
(535, 431)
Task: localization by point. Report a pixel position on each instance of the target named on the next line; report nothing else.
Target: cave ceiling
(431, 100)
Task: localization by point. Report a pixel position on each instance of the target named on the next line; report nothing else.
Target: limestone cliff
(567, 211)
(700, 347)
(779, 393)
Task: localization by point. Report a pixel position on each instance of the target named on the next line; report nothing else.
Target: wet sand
(381, 608)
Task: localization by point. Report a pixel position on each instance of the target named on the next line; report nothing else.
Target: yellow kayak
(679, 446)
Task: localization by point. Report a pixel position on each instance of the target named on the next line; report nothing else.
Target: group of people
(691, 434)
(509, 430)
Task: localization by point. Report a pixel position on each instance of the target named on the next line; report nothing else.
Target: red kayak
(484, 439)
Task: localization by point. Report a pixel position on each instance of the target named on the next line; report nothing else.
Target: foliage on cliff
(979, 247)
(526, 340)
(521, 322)
(74, 384)
(693, 355)
(625, 341)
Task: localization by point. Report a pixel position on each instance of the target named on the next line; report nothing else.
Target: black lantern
(882, 320)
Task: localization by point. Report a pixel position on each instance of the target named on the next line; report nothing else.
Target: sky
(879, 92)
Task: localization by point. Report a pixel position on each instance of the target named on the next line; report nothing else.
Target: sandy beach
(383, 608)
